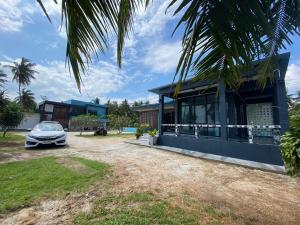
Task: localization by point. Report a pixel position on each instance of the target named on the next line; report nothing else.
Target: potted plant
(152, 137)
(139, 132)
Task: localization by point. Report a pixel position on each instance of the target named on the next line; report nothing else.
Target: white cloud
(153, 20)
(162, 58)
(15, 13)
(52, 8)
(292, 78)
(55, 82)
(11, 17)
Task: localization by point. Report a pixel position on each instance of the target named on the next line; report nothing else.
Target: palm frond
(89, 25)
(23, 72)
(127, 9)
(222, 37)
(3, 77)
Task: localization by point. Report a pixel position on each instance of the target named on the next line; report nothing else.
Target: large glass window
(200, 110)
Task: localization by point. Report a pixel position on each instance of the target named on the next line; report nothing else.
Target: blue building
(80, 107)
(62, 112)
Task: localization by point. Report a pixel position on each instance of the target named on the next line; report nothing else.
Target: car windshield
(48, 127)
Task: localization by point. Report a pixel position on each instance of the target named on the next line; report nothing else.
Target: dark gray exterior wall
(259, 153)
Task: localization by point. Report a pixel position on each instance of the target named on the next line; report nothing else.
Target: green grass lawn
(23, 182)
(12, 142)
(146, 208)
(11, 137)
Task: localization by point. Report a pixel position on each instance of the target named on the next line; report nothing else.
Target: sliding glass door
(200, 110)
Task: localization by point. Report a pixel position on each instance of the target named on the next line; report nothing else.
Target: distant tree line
(12, 111)
(122, 114)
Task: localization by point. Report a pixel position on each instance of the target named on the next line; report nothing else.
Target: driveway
(263, 197)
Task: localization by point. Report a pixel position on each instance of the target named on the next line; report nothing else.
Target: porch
(244, 124)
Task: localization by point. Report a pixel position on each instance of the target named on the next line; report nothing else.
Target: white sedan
(45, 133)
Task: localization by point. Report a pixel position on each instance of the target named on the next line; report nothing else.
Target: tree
(220, 37)
(3, 100)
(137, 103)
(23, 72)
(290, 141)
(10, 117)
(84, 121)
(112, 108)
(26, 100)
(96, 101)
(2, 78)
(118, 122)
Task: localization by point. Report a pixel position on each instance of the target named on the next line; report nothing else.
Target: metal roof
(283, 60)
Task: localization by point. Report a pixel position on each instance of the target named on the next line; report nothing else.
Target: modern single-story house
(63, 111)
(211, 118)
(148, 114)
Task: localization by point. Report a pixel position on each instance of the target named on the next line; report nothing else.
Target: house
(55, 111)
(63, 111)
(211, 118)
(148, 114)
(80, 107)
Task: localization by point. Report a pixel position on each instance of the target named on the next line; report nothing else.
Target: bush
(290, 143)
(84, 121)
(152, 133)
(139, 132)
(10, 116)
(290, 150)
(141, 129)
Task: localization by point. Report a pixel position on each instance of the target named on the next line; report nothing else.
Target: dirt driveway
(263, 197)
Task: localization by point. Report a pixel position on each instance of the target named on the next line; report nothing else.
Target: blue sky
(150, 58)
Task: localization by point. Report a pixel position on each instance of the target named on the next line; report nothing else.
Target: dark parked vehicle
(100, 131)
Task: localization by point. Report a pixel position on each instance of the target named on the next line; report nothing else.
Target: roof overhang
(191, 85)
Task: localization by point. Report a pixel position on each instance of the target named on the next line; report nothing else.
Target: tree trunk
(4, 132)
(20, 93)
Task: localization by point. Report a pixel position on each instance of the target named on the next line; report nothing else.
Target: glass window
(200, 110)
(210, 113)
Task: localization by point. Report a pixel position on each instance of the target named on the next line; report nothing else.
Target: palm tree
(27, 100)
(23, 72)
(3, 100)
(2, 78)
(220, 37)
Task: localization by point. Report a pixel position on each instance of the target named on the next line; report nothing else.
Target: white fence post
(176, 130)
(250, 134)
(196, 132)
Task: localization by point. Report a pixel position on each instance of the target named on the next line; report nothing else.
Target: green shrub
(145, 127)
(152, 133)
(290, 151)
(290, 143)
(139, 132)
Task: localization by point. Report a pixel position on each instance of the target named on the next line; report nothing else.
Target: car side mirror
(28, 129)
(65, 129)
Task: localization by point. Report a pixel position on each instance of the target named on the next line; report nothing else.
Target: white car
(45, 133)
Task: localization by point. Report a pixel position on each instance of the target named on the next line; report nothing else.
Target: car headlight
(31, 136)
(61, 136)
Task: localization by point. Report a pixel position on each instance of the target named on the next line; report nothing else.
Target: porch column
(231, 133)
(222, 109)
(176, 111)
(281, 105)
(160, 114)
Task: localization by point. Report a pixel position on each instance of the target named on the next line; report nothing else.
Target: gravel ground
(262, 197)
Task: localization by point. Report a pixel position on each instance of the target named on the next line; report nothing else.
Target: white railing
(275, 129)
